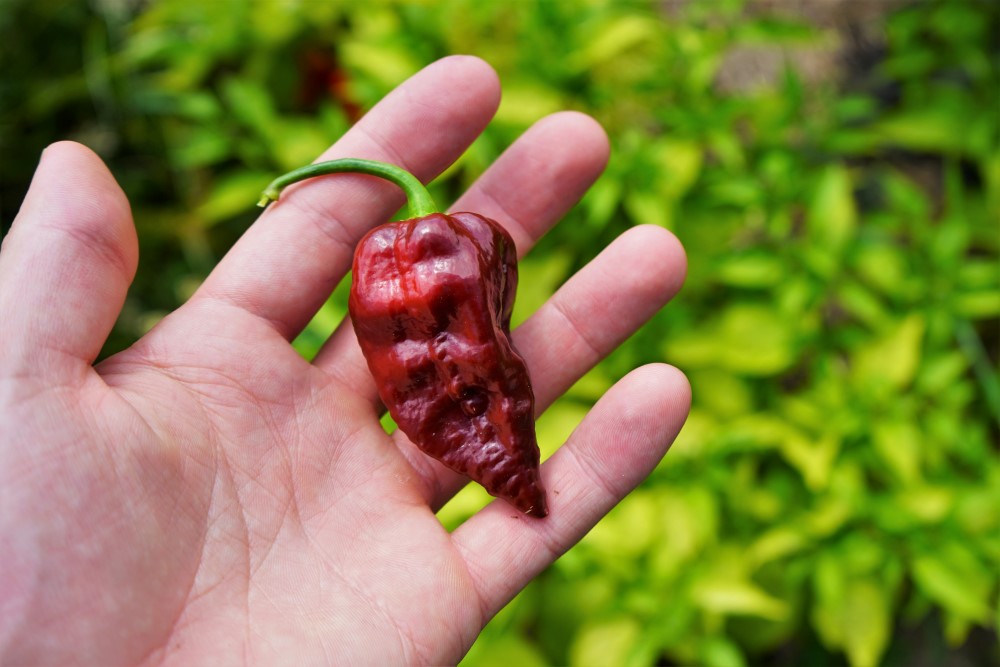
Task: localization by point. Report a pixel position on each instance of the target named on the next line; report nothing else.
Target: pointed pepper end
(531, 500)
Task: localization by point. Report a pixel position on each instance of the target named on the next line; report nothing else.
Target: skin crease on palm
(209, 497)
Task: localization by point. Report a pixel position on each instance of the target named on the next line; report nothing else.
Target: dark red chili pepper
(431, 301)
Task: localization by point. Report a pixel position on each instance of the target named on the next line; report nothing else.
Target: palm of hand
(208, 493)
(251, 525)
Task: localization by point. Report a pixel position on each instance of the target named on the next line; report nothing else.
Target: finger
(583, 322)
(531, 186)
(599, 308)
(615, 447)
(540, 177)
(289, 261)
(65, 265)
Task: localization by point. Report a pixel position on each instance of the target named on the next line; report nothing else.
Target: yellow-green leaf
(678, 164)
(386, 63)
(812, 457)
(629, 529)
(935, 129)
(554, 427)
(927, 504)
(736, 597)
(832, 212)
(750, 270)
(775, 544)
(746, 338)
(607, 643)
(616, 36)
(867, 622)
(850, 613)
(231, 195)
(525, 102)
(959, 583)
(721, 652)
(504, 651)
(898, 443)
(892, 359)
(648, 207)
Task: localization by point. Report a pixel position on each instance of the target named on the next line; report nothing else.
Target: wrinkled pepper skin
(431, 302)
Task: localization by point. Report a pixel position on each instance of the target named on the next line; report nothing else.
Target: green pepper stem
(418, 198)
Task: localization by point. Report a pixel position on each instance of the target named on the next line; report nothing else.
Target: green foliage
(837, 487)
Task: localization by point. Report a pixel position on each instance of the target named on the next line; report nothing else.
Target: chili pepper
(431, 301)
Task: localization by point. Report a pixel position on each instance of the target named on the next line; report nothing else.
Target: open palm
(210, 497)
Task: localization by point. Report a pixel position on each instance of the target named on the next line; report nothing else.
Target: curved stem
(419, 199)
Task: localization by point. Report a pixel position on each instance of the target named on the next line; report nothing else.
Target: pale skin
(210, 497)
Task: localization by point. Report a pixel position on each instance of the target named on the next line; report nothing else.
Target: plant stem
(418, 198)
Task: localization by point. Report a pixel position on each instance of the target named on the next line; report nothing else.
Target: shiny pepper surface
(431, 302)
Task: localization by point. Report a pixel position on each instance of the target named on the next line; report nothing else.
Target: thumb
(65, 266)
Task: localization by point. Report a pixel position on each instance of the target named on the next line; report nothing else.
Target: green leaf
(899, 443)
(813, 458)
(750, 270)
(297, 141)
(955, 579)
(956, 628)
(932, 129)
(677, 164)
(720, 652)
(926, 504)
(862, 303)
(978, 511)
(525, 102)
(629, 529)
(746, 338)
(832, 211)
(605, 643)
(756, 340)
(725, 394)
(828, 516)
(504, 651)
(233, 194)
(387, 64)
(852, 613)
(978, 305)
(538, 279)
(647, 207)
(884, 267)
(251, 104)
(867, 622)
(602, 200)
(990, 169)
(829, 582)
(614, 37)
(737, 597)
(776, 544)
(199, 147)
(938, 373)
(556, 424)
(893, 358)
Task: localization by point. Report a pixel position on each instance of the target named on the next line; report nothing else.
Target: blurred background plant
(833, 169)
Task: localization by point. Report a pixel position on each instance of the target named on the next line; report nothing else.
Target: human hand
(209, 497)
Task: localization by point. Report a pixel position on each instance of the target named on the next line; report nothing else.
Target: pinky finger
(615, 447)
